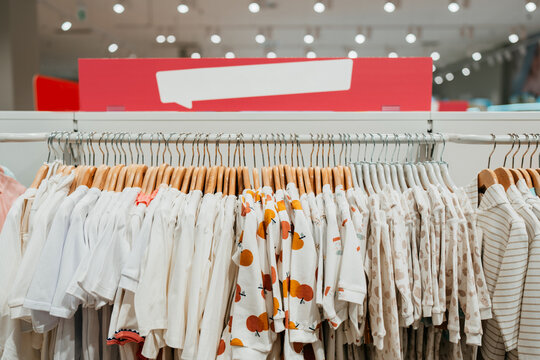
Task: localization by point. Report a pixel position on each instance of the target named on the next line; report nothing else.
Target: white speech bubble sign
(229, 82)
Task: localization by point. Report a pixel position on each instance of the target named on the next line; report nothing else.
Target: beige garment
(424, 251)
(413, 222)
(438, 261)
(399, 242)
(466, 211)
(505, 250)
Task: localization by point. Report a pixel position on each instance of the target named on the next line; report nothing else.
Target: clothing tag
(145, 198)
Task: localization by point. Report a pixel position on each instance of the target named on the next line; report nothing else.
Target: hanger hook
(262, 151)
(526, 150)
(519, 146)
(534, 152)
(512, 148)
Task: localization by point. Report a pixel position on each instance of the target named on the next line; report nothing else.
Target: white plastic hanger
(394, 167)
(372, 169)
(444, 168)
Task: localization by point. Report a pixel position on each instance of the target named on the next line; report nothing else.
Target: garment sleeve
(376, 313)
(509, 286)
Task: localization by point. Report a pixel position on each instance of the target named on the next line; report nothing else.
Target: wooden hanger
(194, 178)
(318, 180)
(232, 181)
(265, 177)
(226, 179)
(100, 177)
(486, 178)
(245, 178)
(201, 177)
(40, 175)
(187, 179)
(239, 180)
(300, 177)
(337, 177)
(288, 174)
(121, 181)
(282, 180)
(324, 176)
(330, 176)
(348, 178)
(140, 175)
(115, 172)
(220, 179)
(504, 177)
(277, 178)
(307, 181)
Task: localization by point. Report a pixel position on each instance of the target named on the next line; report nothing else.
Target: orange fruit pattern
(246, 257)
(236, 342)
(297, 242)
(221, 347)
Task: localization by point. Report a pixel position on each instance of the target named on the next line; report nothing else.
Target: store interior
(269, 179)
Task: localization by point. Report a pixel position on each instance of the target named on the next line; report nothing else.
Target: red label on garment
(256, 84)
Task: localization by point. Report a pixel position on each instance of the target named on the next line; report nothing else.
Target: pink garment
(10, 189)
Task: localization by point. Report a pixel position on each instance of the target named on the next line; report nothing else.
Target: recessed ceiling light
(66, 25)
(389, 7)
(271, 55)
(438, 80)
(435, 56)
(113, 48)
(360, 38)
(254, 7)
(410, 38)
(392, 54)
(352, 54)
(229, 55)
(453, 7)
(530, 6)
(119, 8)
(160, 39)
(195, 55)
(171, 39)
(513, 38)
(433, 68)
(309, 39)
(215, 38)
(449, 76)
(319, 7)
(476, 56)
(183, 9)
(311, 54)
(466, 71)
(260, 38)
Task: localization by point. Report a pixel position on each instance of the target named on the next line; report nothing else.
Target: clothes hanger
(504, 175)
(521, 169)
(419, 168)
(393, 167)
(43, 169)
(436, 165)
(381, 177)
(515, 172)
(408, 167)
(428, 162)
(315, 175)
(386, 166)
(370, 170)
(488, 177)
(535, 175)
(366, 178)
(191, 171)
(239, 172)
(349, 162)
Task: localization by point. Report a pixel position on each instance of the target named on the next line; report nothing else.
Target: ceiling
(481, 25)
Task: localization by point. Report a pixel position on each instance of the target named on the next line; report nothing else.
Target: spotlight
(182, 8)
(449, 76)
(229, 55)
(438, 80)
(389, 7)
(476, 56)
(352, 54)
(195, 55)
(311, 54)
(453, 7)
(466, 71)
(271, 55)
(392, 54)
(435, 56)
(530, 6)
(66, 25)
(118, 8)
(410, 38)
(160, 39)
(171, 39)
(309, 39)
(215, 38)
(433, 68)
(260, 38)
(254, 7)
(319, 7)
(360, 38)
(113, 48)
(513, 38)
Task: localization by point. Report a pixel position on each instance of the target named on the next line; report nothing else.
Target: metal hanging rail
(354, 138)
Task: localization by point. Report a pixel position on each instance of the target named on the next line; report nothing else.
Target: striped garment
(529, 335)
(504, 256)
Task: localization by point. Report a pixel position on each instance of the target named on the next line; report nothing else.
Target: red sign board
(54, 94)
(256, 84)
